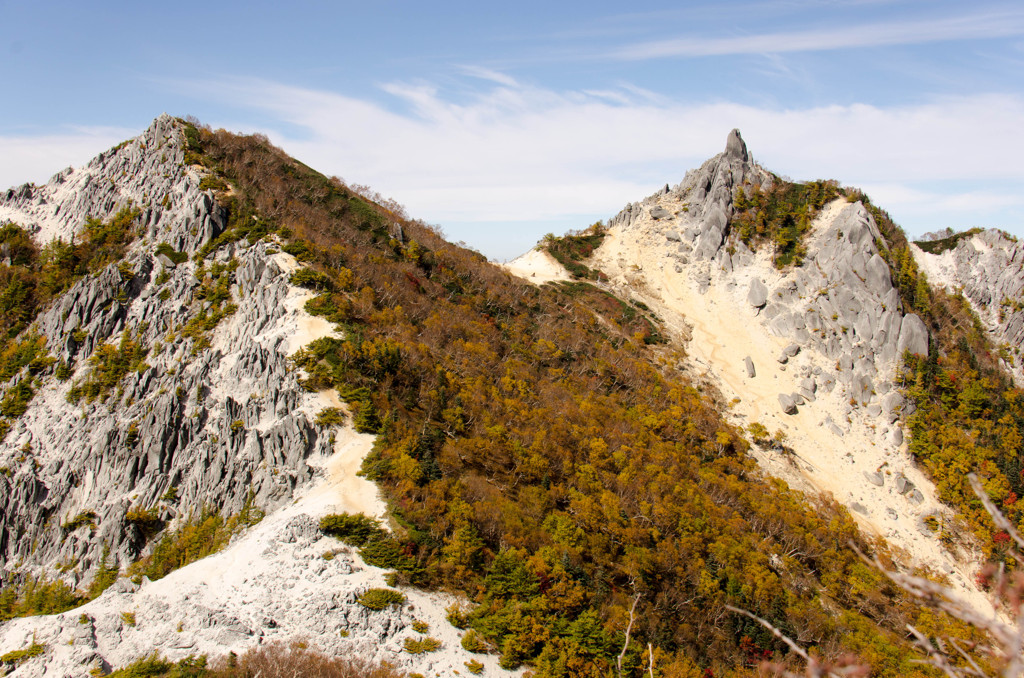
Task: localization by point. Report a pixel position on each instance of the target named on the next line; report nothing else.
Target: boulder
(758, 294)
(903, 485)
(787, 403)
(892, 402)
(749, 364)
(735, 147)
(861, 388)
(875, 478)
(165, 261)
(913, 336)
(659, 212)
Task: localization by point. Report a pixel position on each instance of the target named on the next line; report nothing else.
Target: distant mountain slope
(987, 267)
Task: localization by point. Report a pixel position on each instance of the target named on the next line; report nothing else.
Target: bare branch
(629, 629)
(970, 660)
(936, 657)
(775, 632)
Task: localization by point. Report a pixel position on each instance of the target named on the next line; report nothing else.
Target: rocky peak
(818, 342)
(735, 147)
(701, 205)
(148, 172)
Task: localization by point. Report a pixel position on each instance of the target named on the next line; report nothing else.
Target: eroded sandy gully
(836, 448)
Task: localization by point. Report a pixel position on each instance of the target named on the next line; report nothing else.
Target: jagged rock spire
(734, 146)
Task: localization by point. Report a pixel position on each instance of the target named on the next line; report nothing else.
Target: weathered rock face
(841, 303)
(702, 203)
(988, 268)
(148, 171)
(216, 423)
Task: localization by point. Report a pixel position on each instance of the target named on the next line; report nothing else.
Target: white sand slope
(538, 267)
(707, 309)
(273, 583)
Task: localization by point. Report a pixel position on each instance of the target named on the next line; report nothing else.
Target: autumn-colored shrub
(572, 249)
(195, 538)
(280, 660)
(355, 529)
(421, 645)
(171, 253)
(379, 599)
(17, 657)
(37, 596)
(330, 416)
(780, 213)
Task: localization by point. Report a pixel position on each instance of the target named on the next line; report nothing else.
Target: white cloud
(997, 24)
(489, 74)
(511, 139)
(514, 157)
(35, 159)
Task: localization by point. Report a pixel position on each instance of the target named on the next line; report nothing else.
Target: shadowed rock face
(217, 423)
(988, 268)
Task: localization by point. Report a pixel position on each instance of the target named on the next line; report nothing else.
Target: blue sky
(500, 122)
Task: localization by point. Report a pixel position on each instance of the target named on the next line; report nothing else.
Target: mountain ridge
(538, 447)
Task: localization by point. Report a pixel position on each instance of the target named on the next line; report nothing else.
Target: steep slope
(987, 267)
(171, 422)
(809, 352)
(179, 402)
(282, 581)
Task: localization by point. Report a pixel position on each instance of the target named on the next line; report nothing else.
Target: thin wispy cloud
(35, 158)
(999, 24)
(523, 153)
(489, 74)
(547, 159)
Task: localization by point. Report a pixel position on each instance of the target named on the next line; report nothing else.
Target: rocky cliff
(208, 416)
(173, 422)
(987, 267)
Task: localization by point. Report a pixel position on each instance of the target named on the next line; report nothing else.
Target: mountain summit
(789, 299)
